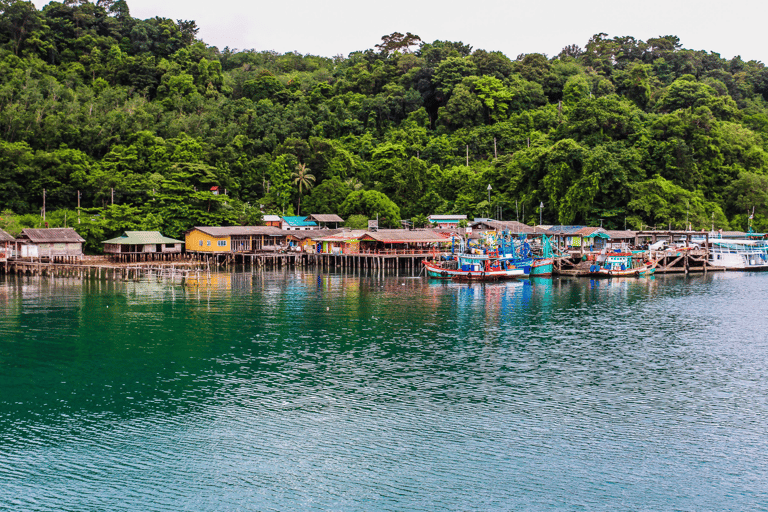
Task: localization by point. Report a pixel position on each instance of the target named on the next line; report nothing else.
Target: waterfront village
(452, 247)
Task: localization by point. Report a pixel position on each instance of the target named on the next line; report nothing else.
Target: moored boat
(474, 266)
(622, 265)
(734, 254)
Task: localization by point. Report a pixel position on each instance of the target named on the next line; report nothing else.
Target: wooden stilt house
(142, 246)
(62, 245)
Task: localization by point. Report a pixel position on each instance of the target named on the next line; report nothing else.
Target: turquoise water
(302, 391)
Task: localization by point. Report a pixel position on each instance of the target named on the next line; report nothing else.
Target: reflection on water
(298, 390)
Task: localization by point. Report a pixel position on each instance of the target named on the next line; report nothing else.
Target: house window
(222, 243)
(209, 243)
(201, 243)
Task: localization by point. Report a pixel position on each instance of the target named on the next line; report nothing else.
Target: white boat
(739, 254)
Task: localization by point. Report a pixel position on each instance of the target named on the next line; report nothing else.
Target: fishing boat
(622, 265)
(468, 267)
(734, 254)
(543, 265)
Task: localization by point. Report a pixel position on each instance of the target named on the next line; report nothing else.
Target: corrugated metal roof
(5, 237)
(222, 231)
(142, 238)
(564, 230)
(447, 217)
(590, 232)
(51, 235)
(325, 217)
(316, 234)
(299, 221)
(508, 225)
(620, 234)
(271, 218)
(393, 236)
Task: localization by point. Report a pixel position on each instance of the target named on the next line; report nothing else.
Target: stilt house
(54, 244)
(142, 246)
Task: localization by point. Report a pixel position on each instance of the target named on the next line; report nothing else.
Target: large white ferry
(738, 254)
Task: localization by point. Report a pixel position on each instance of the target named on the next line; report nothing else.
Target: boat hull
(438, 272)
(542, 267)
(630, 272)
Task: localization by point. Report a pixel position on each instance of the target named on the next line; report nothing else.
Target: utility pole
(78, 207)
(495, 155)
(517, 211)
(489, 198)
(112, 192)
(43, 205)
(467, 155)
(541, 208)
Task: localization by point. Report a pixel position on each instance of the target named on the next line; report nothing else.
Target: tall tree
(302, 179)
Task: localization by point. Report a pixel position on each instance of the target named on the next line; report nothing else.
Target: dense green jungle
(136, 120)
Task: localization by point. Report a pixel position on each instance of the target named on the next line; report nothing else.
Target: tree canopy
(140, 120)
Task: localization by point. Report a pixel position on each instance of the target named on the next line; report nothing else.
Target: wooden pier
(395, 261)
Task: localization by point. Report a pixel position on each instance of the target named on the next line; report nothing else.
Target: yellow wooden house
(233, 239)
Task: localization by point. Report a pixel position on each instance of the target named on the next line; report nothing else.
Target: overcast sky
(334, 27)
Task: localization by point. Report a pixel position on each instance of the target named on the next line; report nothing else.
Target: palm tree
(303, 179)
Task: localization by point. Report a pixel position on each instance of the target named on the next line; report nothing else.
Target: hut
(142, 246)
(576, 238)
(326, 220)
(273, 220)
(54, 244)
(622, 240)
(233, 239)
(6, 246)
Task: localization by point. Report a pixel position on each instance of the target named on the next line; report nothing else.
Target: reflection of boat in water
(622, 265)
(739, 254)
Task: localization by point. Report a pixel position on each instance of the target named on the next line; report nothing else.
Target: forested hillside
(143, 119)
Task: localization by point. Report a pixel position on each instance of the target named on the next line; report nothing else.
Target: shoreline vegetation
(109, 123)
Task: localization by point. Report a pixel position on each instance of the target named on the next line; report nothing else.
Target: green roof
(142, 238)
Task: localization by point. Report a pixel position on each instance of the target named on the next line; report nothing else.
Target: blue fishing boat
(543, 265)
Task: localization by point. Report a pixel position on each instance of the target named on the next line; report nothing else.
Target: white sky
(333, 27)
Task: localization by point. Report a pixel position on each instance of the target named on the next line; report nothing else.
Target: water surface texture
(303, 391)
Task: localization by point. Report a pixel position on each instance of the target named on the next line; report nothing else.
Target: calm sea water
(302, 391)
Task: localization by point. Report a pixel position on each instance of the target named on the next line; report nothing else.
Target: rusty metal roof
(5, 237)
(325, 217)
(51, 235)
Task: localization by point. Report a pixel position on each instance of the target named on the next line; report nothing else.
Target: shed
(56, 244)
(142, 245)
(273, 220)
